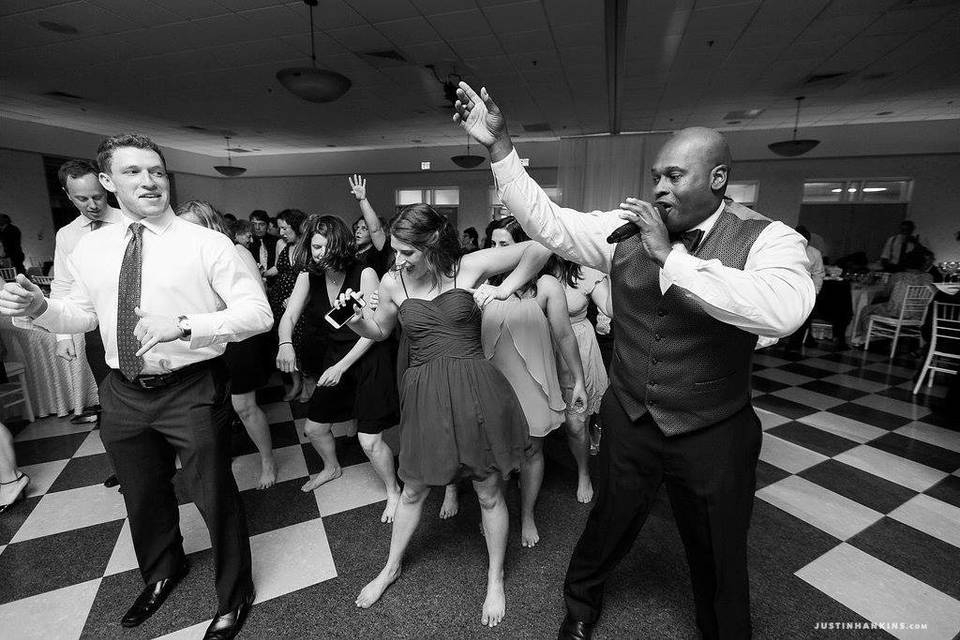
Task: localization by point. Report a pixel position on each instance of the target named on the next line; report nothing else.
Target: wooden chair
(9, 274)
(14, 393)
(42, 281)
(913, 312)
(944, 343)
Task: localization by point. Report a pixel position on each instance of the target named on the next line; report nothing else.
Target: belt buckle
(152, 382)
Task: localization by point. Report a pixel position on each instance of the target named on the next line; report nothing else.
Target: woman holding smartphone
(354, 375)
(460, 418)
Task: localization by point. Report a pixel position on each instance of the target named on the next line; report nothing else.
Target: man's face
(683, 180)
(139, 180)
(87, 195)
(906, 229)
(259, 228)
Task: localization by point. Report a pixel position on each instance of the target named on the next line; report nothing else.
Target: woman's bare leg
(493, 512)
(322, 440)
(255, 422)
(381, 458)
(405, 522)
(531, 477)
(580, 448)
(451, 502)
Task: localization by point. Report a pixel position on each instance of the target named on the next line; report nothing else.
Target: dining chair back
(14, 393)
(944, 353)
(9, 274)
(913, 311)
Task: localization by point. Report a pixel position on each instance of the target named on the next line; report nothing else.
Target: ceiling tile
(512, 18)
(408, 31)
(380, 11)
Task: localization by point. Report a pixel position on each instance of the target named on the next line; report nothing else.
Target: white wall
(24, 197)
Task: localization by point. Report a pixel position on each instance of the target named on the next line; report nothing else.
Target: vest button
(657, 337)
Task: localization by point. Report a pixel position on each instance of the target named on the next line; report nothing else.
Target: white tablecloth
(55, 386)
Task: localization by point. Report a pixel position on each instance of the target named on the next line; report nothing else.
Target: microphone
(629, 229)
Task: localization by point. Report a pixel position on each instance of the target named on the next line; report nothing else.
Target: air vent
(743, 114)
(238, 150)
(63, 95)
(194, 127)
(58, 27)
(388, 54)
(536, 127)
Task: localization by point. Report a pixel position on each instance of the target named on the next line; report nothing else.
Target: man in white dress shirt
(167, 295)
(80, 181)
(692, 291)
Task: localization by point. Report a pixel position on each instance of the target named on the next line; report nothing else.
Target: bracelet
(283, 343)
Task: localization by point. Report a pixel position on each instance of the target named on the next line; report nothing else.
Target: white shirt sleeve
(247, 312)
(577, 236)
(73, 313)
(62, 278)
(771, 296)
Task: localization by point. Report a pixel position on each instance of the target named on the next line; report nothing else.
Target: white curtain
(597, 173)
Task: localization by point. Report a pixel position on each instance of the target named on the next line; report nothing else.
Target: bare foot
(495, 604)
(268, 473)
(451, 502)
(584, 489)
(293, 392)
(529, 536)
(393, 499)
(375, 588)
(322, 478)
(306, 391)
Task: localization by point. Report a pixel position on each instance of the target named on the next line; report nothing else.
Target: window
(745, 192)
(446, 200)
(858, 190)
(498, 210)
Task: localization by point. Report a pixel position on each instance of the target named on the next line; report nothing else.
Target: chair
(9, 274)
(913, 312)
(944, 343)
(16, 391)
(42, 281)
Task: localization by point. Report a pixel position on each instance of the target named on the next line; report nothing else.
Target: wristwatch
(183, 323)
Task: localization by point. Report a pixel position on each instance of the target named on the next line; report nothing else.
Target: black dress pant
(710, 476)
(96, 357)
(143, 430)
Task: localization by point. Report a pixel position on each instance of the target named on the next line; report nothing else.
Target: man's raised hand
(480, 116)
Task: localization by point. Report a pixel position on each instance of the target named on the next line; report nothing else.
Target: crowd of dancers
(477, 354)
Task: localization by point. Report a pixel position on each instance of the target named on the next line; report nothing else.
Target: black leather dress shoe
(575, 630)
(151, 598)
(227, 625)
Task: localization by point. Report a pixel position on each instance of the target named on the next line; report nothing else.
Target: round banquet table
(55, 386)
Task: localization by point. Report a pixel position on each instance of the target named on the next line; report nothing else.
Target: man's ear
(718, 177)
(106, 182)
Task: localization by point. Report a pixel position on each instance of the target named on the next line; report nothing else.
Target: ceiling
(184, 71)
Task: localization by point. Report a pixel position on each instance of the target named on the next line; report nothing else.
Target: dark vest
(672, 359)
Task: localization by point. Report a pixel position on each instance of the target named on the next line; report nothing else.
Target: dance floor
(856, 520)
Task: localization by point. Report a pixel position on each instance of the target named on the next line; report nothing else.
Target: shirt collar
(156, 225)
(110, 216)
(707, 224)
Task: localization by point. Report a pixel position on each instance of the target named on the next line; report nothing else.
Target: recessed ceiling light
(873, 189)
(57, 27)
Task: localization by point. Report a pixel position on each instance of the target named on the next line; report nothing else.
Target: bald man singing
(693, 290)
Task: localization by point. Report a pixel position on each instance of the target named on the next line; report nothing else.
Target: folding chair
(12, 394)
(944, 344)
(913, 311)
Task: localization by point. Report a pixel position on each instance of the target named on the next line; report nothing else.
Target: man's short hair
(259, 215)
(75, 168)
(909, 223)
(135, 140)
(802, 230)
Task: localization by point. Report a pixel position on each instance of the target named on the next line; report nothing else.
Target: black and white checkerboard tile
(847, 450)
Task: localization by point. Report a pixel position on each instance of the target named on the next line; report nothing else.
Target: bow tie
(690, 239)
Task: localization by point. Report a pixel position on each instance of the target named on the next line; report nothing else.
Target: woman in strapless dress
(459, 417)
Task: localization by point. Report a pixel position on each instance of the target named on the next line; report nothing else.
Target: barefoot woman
(459, 416)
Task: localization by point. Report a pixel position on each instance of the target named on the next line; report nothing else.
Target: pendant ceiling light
(468, 160)
(310, 83)
(793, 147)
(228, 169)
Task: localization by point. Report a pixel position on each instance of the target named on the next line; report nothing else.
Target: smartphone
(339, 317)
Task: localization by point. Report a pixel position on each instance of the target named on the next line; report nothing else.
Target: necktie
(690, 239)
(128, 298)
(95, 224)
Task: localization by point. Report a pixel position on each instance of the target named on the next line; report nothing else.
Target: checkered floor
(863, 479)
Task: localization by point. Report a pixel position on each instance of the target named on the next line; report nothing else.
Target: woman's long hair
(420, 226)
(511, 226)
(568, 273)
(295, 219)
(207, 214)
(340, 253)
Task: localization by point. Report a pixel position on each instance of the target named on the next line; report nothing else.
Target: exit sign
(425, 166)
